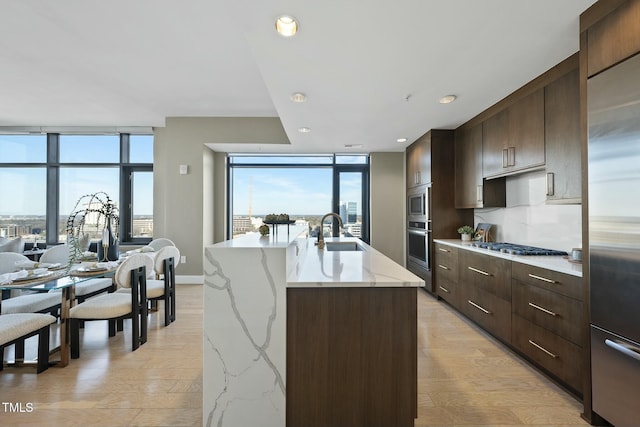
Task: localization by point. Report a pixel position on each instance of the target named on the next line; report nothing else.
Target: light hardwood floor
(465, 378)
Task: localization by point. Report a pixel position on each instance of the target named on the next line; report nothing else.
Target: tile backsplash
(527, 219)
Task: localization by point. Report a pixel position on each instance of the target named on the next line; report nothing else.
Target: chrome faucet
(321, 233)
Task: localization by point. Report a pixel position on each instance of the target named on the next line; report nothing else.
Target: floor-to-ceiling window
(43, 176)
(305, 187)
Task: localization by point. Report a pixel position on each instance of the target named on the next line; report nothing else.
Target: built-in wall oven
(419, 232)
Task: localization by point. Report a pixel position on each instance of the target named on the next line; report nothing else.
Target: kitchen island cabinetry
(562, 139)
(471, 190)
(296, 336)
(513, 139)
(547, 323)
(486, 292)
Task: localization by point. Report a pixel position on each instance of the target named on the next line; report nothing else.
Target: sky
(294, 191)
(23, 190)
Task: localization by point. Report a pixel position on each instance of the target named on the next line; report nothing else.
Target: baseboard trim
(190, 280)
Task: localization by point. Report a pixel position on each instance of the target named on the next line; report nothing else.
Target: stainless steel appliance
(514, 249)
(418, 203)
(613, 99)
(419, 239)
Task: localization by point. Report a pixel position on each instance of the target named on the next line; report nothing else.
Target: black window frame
(336, 168)
(125, 202)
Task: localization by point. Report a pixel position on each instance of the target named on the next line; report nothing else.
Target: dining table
(62, 280)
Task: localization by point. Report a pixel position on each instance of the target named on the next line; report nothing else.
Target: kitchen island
(300, 336)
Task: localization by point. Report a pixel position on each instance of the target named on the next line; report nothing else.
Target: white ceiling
(134, 63)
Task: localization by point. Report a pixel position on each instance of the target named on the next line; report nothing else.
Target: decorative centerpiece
(264, 230)
(277, 219)
(465, 232)
(94, 216)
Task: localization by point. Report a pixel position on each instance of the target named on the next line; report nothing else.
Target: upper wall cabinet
(513, 139)
(613, 38)
(471, 190)
(419, 161)
(562, 139)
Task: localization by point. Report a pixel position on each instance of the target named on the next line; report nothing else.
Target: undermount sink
(343, 246)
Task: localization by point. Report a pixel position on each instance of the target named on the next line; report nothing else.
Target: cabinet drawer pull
(484, 310)
(544, 310)
(479, 193)
(550, 184)
(444, 267)
(539, 347)
(444, 289)
(544, 279)
(505, 157)
(444, 250)
(511, 156)
(484, 273)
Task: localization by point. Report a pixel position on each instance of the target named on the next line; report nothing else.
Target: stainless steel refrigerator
(613, 99)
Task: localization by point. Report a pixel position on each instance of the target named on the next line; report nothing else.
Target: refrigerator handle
(625, 349)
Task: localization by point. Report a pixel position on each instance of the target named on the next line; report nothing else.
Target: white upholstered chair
(12, 245)
(116, 306)
(27, 302)
(159, 243)
(85, 289)
(163, 287)
(15, 328)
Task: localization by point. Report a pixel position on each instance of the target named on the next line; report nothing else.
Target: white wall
(527, 219)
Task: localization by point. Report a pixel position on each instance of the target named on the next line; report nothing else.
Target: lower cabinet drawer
(557, 313)
(489, 311)
(448, 291)
(558, 356)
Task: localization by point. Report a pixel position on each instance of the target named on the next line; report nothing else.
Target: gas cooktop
(513, 249)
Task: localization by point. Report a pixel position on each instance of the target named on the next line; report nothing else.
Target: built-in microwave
(418, 203)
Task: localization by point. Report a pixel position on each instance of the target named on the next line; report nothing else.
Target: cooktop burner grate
(513, 249)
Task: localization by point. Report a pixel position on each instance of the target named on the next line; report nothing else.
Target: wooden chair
(117, 306)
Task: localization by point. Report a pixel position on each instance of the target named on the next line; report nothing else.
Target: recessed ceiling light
(448, 99)
(353, 146)
(298, 97)
(304, 129)
(286, 26)
(401, 140)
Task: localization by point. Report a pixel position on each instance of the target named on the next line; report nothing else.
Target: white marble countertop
(281, 239)
(555, 263)
(364, 268)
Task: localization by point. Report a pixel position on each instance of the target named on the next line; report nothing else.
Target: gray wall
(190, 209)
(388, 205)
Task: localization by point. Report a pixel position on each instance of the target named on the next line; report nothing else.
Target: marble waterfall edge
(244, 337)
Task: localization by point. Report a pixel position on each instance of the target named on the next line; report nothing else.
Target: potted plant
(94, 216)
(465, 232)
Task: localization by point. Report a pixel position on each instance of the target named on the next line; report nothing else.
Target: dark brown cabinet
(419, 162)
(562, 139)
(446, 274)
(471, 190)
(547, 321)
(486, 292)
(538, 312)
(436, 149)
(513, 139)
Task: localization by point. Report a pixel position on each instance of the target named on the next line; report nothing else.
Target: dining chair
(163, 287)
(40, 302)
(117, 306)
(85, 289)
(15, 328)
(160, 242)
